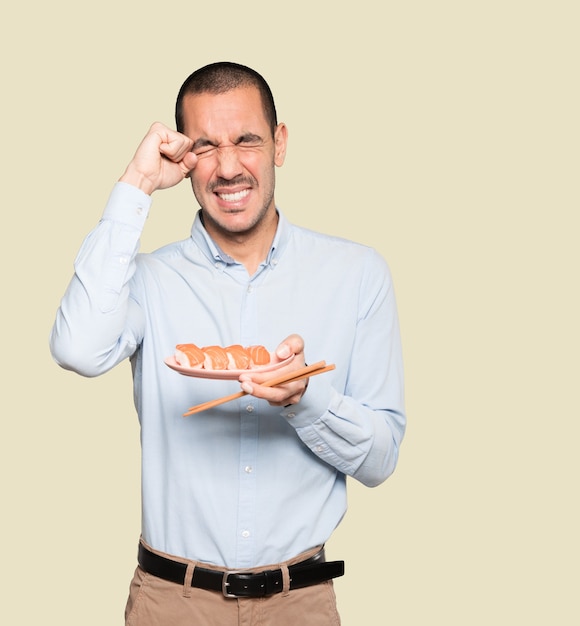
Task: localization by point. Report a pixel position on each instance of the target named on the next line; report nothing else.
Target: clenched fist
(163, 159)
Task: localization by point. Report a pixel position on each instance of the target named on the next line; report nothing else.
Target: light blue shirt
(246, 483)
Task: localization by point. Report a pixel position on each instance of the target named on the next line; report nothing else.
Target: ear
(280, 143)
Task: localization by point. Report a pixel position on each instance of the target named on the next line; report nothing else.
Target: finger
(176, 148)
(293, 344)
(284, 399)
(170, 143)
(289, 393)
(188, 163)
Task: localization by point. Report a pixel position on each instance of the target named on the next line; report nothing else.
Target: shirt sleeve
(359, 430)
(97, 324)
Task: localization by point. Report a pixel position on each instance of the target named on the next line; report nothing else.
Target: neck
(249, 247)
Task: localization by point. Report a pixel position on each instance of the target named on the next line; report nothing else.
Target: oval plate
(222, 374)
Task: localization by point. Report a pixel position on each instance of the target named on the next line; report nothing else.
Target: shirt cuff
(128, 205)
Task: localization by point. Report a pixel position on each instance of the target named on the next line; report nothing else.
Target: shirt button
(245, 534)
(291, 414)
(124, 260)
(139, 210)
(248, 469)
(250, 289)
(250, 408)
(319, 449)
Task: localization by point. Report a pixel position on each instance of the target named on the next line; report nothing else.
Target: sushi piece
(234, 357)
(258, 355)
(239, 359)
(216, 358)
(189, 355)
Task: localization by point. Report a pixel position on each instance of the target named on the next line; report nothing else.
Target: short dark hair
(222, 77)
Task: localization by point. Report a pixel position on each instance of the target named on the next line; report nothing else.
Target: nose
(229, 165)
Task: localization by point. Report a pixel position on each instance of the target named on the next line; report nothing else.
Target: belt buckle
(226, 584)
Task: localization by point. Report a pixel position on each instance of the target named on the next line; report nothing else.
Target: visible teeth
(234, 197)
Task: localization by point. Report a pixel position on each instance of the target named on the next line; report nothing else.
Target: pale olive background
(445, 134)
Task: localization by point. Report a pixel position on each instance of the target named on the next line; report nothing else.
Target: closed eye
(204, 147)
(250, 140)
(207, 150)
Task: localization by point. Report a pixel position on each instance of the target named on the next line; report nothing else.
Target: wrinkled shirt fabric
(244, 484)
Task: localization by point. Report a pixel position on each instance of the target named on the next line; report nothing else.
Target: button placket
(249, 428)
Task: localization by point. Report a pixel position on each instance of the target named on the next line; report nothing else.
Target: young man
(239, 500)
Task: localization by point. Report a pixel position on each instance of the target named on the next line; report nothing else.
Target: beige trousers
(157, 602)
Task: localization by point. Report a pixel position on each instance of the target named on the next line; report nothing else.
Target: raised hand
(162, 160)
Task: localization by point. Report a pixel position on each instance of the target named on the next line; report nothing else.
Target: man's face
(233, 180)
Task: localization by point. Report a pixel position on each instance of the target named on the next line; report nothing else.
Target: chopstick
(303, 372)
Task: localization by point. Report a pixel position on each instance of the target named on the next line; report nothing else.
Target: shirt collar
(215, 254)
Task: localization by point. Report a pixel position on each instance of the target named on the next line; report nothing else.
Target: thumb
(293, 344)
(188, 162)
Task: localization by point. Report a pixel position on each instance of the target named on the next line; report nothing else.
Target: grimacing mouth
(233, 196)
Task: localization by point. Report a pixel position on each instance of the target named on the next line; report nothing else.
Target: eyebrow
(204, 142)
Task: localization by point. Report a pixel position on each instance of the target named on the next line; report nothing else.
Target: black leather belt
(235, 584)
